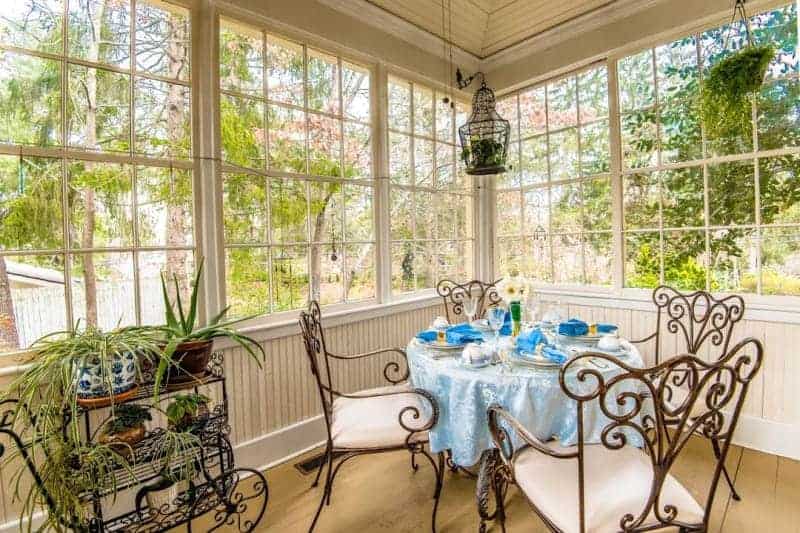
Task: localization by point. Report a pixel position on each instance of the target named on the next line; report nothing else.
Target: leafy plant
(727, 91)
(483, 153)
(128, 416)
(183, 409)
(182, 326)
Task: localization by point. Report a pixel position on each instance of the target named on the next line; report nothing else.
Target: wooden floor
(381, 493)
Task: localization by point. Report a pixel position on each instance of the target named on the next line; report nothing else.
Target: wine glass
(470, 307)
(497, 317)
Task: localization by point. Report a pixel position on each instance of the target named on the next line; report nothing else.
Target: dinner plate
(534, 361)
(443, 346)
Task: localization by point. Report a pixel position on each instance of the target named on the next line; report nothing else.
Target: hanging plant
(730, 85)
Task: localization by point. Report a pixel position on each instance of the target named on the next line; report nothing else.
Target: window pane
(242, 131)
(244, 208)
(30, 203)
(401, 214)
(534, 160)
(532, 112)
(511, 177)
(509, 213)
(425, 265)
(163, 38)
(357, 151)
(564, 154)
(731, 193)
(423, 111)
(172, 263)
(324, 145)
(327, 277)
(779, 114)
(247, 281)
(358, 214)
(599, 254)
(636, 77)
(562, 104)
(507, 109)
(287, 139)
(595, 152)
(445, 166)
(780, 250)
(101, 205)
(288, 210)
(642, 260)
(36, 283)
(400, 158)
(356, 87)
(453, 260)
(30, 99)
(327, 210)
(734, 256)
(537, 212)
(682, 196)
(163, 124)
(323, 82)
(103, 290)
(641, 201)
(399, 105)
(566, 208)
(567, 259)
(284, 71)
(241, 58)
(359, 277)
(289, 277)
(424, 215)
(779, 28)
(32, 24)
(444, 120)
(98, 118)
(423, 162)
(639, 140)
(109, 45)
(164, 203)
(593, 94)
(685, 260)
(403, 267)
(536, 263)
(779, 188)
(596, 204)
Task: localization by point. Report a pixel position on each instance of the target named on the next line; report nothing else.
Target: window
(95, 182)
(430, 195)
(720, 214)
(298, 183)
(554, 203)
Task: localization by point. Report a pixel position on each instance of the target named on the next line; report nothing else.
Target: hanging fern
(725, 99)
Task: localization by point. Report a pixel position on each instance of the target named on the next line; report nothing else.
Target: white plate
(535, 361)
(443, 346)
(474, 366)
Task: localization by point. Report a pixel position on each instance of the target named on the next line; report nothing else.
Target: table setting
(502, 359)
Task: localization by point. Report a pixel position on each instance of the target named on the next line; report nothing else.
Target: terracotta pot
(120, 441)
(190, 361)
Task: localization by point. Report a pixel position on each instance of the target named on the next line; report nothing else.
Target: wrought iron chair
(390, 418)
(455, 294)
(696, 317)
(615, 485)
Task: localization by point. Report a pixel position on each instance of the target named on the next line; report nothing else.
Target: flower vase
(515, 308)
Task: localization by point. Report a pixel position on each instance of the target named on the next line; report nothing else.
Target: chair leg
(439, 486)
(321, 467)
(717, 454)
(325, 493)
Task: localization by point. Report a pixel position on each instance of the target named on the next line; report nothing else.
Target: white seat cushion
(617, 482)
(374, 422)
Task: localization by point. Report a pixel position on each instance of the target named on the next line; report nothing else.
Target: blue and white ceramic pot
(92, 385)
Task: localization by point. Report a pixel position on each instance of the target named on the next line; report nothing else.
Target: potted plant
(126, 427)
(179, 454)
(483, 154)
(188, 345)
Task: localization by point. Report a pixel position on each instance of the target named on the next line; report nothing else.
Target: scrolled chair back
(697, 317)
(642, 408)
(317, 352)
(455, 294)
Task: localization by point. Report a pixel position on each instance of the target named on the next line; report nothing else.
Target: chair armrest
(645, 339)
(392, 367)
(502, 440)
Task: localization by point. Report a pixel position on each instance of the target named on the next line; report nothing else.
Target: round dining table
(532, 395)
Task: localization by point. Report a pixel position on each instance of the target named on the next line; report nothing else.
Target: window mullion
(382, 207)
(615, 145)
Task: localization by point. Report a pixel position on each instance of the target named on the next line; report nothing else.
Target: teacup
(609, 342)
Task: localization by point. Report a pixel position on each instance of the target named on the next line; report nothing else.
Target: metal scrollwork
(455, 294)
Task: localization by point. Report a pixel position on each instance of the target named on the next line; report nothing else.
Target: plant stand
(233, 498)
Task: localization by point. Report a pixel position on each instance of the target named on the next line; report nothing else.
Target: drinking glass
(496, 316)
(470, 307)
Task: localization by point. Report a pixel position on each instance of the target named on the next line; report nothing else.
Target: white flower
(513, 288)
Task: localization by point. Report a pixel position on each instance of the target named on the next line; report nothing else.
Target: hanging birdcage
(484, 138)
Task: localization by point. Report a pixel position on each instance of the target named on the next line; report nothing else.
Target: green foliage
(128, 416)
(728, 88)
(185, 406)
(483, 153)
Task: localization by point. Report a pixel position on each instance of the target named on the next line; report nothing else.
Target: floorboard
(382, 494)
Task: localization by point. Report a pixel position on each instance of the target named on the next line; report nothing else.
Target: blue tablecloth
(533, 396)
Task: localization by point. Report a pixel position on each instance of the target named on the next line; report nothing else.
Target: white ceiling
(485, 27)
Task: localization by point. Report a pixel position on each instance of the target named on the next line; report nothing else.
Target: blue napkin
(506, 329)
(458, 334)
(527, 342)
(574, 327)
(554, 354)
